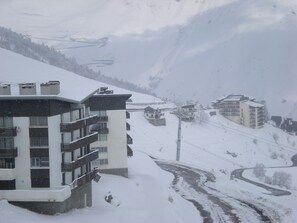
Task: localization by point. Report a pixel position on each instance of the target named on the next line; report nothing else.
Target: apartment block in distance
(45, 138)
(242, 110)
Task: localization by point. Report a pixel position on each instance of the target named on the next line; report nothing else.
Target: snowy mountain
(190, 49)
(216, 148)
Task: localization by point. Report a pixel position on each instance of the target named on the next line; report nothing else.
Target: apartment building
(46, 133)
(113, 141)
(242, 110)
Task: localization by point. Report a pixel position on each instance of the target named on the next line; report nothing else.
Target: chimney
(5, 89)
(27, 88)
(50, 88)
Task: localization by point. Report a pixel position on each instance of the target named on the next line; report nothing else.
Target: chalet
(186, 113)
(277, 120)
(155, 116)
(289, 126)
(49, 137)
(241, 110)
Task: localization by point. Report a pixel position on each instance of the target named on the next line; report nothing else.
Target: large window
(38, 141)
(38, 121)
(40, 178)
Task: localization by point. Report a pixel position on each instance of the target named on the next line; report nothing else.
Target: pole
(178, 140)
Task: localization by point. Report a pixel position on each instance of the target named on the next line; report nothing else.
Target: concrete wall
(22, 161)
(55, 156)
(116, 143)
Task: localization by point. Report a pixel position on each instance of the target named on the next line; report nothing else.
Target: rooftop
(254, 104)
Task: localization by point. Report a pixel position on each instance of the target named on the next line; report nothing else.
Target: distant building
(289, 125)
(155, 116)
(241, 110)
(277, 120)
(186, 113)
(46, 136)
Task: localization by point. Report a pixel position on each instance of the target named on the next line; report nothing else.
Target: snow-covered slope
(17, 69)
(221, 146)
(190, 49)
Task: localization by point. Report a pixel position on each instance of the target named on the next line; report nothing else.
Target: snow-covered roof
(254, 104)
(16, 69)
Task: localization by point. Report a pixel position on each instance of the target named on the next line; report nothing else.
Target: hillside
(210, 48)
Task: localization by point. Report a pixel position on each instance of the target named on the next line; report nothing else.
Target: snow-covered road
(213, 205)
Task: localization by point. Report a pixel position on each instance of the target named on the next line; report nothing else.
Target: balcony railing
(8, 132)
(7, 165)
(82, 180)
(127, 115)
(129, 140)
(80, 161)
(128, 127)
(129, 151)
(86, 140)
(80, 123)
(9, 153)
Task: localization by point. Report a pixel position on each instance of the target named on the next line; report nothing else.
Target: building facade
(45, 152)
(242, 110)
(113, 141)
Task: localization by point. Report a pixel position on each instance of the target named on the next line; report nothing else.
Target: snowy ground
(146, 196)
(221, 146)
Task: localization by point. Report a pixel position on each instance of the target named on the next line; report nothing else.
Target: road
(273, 191)
(213, 205)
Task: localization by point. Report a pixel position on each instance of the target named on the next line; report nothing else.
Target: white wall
(22, 161)
(55, 155)
(116, 141)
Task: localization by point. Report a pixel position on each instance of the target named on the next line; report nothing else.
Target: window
(6, 143)
(38, 141)
(102, 149)
(100, 162)
(38, 121)
(6, 122)
(40, 178)
(103, 161)
(102, 137)
(39, 162)
(102, 113)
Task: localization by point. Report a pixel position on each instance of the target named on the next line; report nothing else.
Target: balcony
(127, 115)
(8, 132)
(129, 140)
(84, 179)
(81, 142)
(9, 152)
(80, 161)
(129, 151)
(78, 124)
(7, 174)
(103, 118)
(128, 127)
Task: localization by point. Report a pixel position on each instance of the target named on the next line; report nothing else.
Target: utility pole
(178, 139)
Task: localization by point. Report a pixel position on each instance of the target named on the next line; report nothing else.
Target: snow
(145, 196)
(202, 48)
(17, 69)
(208, 146)
(254, 104)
